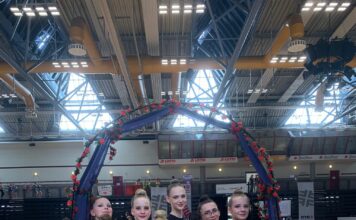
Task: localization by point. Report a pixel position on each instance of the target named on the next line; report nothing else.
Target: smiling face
(141, 209)
(177, 199)
(239, 208)
(101, 207)
(209, 211)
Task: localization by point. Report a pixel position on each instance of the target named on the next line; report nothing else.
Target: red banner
(334, 179)
(118, 183)
(131, 189)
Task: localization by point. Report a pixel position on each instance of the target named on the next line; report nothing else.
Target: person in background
(100, 209)
(239, 205)
(2, 193)
(208, 209)
(128, 216)
(140, 205)
(251, 183)
(177, 198)
(160, 215)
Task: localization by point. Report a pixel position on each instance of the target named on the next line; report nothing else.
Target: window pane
(351, 145)
(83, 105)
(175, 149)
(267, 143)
(198, 149)
(340, 145)
(329, 146)
(281, 144)
(307, 115)
(187, 147)
(163, 150)
(231, 148)
(221, 148)
(210, 149)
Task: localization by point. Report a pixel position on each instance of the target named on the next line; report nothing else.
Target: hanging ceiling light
(339, 6)
(32, 10)
(328, 58)
(199, 8)
(76, 48)
(296, 29)
(174, 61)
(71, 64)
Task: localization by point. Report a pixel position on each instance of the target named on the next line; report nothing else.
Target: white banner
(198, 161)
(188, 188)
(158, 199)
(285, 207)
(230, 188)
(105, 190)
(323, 157)
(306, 200)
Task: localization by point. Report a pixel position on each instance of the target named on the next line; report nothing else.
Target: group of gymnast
(239, 206)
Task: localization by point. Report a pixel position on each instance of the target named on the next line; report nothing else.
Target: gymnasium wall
(54, 162)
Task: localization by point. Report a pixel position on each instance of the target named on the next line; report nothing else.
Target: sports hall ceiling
(127, 43)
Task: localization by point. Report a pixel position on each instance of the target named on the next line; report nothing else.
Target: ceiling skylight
(84, 106)
(307, 115)
(43, 37)
(201, 89)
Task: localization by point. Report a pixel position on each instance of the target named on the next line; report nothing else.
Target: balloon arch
(130, 120)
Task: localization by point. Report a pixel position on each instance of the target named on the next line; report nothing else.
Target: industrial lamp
(296, 29)
(329, 58)
(31, 10)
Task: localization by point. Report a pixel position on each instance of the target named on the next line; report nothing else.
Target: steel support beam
(9, 59)
(119, 51)
(250, 21)
(215, 27)
(156, 87)
(267, 76)
(5, 56)
(208, 54)
(150, 22)
(262, 84)
(345, 26)
(121, 89)
(92, 5)
(209, 26)
(230, 69)
(292, 88)
(118, 81)
(340, 116)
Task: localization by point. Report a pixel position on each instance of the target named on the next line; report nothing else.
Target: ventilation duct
(278, 43)
(296, 32)
(82, 39)
(21, 91)
(152, 65)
